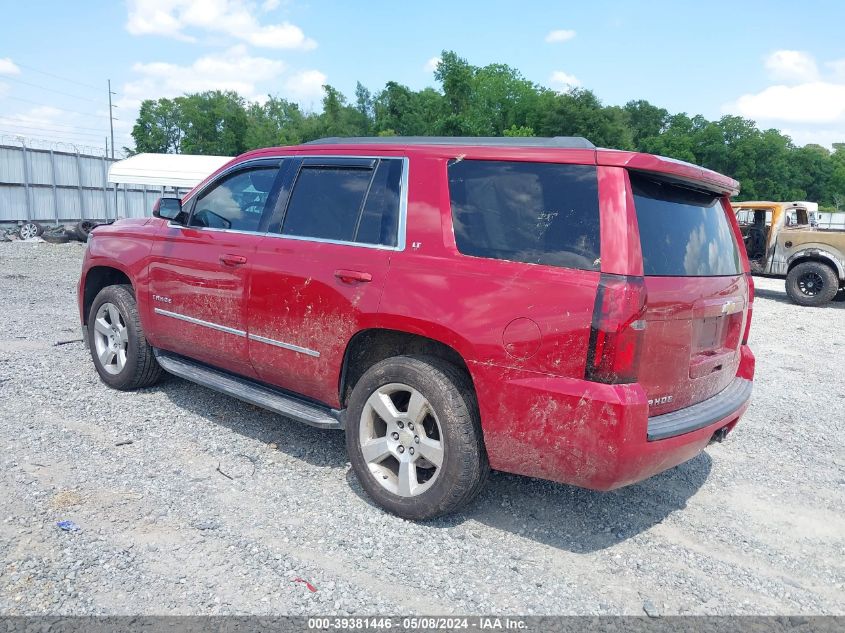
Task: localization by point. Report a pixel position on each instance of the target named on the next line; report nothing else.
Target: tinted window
(379, 221)
(540, 213)
(683, 232)
(348, 204)
(326, 202)
(236, 202)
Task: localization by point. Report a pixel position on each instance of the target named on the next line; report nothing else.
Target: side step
(250, 391)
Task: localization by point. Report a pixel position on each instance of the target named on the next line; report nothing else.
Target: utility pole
(111, 118)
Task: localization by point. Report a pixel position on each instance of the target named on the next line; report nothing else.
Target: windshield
(683, 232)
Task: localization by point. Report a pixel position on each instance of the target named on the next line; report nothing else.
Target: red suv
(536, 306)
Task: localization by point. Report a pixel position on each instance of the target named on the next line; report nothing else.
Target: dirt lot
(755, 525)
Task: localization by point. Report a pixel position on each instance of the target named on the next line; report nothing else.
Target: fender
(124, 246)
(818, 253)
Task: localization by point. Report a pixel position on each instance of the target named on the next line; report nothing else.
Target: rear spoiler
(670, 168)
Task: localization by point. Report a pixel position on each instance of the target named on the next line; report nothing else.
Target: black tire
(450, 393)
(82, 229)
(141, 368)
(812, 284)
(56, 237)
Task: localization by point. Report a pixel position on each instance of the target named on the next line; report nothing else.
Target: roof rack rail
(558, 142)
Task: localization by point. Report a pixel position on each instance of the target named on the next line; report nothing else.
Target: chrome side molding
(235, 332)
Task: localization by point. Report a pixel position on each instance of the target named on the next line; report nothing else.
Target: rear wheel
(812, 284)
(121, 353)
(414, 438)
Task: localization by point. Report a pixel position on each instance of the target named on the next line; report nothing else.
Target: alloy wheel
(111, 338)
(28, 231)
(401, 440)
(810, 283)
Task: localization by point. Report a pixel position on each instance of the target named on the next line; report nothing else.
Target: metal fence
(64, 185)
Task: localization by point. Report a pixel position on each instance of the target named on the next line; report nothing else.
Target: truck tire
(812, 283)
(82, 229)
(414, 437)
(120, 351)
(55, 237)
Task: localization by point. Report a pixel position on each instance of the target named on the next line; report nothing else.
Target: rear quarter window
(537, 213)
(683, 232)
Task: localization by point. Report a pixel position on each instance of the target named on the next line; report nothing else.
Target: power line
(48, 129)
(47, 105)
(44, 72)
(5, 120)
(60, 92)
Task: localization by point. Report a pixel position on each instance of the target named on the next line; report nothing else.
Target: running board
(250, 391)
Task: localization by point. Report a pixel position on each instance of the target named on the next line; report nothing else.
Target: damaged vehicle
(783, 240)
(531, 305)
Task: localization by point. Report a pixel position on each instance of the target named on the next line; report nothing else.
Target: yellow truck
(782, 242)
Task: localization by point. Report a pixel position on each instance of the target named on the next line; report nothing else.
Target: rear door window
(683, 232)
(538, 213)
(346, 203)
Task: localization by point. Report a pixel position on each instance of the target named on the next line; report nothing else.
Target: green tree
(275, 122)
(645, 120)
(213, 122)
(496, 100)
(159, 127)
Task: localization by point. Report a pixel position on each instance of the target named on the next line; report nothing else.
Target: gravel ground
(753, 526)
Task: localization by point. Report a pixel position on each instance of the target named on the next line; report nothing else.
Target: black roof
(557, 142)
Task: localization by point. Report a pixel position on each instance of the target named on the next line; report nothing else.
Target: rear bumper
(593, 435)
(700, 415)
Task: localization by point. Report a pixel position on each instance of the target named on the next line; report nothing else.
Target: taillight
(750, 281)
(617, 330)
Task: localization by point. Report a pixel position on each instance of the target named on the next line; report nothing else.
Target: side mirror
(169, 208)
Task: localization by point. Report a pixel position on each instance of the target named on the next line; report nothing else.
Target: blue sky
(779, 63)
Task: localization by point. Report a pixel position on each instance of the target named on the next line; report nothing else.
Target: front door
(199, 273)
(321, 269)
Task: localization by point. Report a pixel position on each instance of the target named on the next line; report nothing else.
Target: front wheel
(812, 284)
(121, 353)
(414, 437)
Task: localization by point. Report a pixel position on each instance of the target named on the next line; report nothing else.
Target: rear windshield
(683, 232)
(538, 213)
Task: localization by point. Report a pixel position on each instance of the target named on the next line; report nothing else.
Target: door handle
(232, 260)
(351, 276)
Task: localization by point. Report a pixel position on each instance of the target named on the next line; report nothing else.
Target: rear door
(199, 273)
(697, 293)
(322, 268)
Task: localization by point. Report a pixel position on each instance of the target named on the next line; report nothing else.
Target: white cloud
(560, 35)
(810, 105)
(431, 65)
(235, 18)
(786, 65)
(819, 135)
(233, 69)
(8, 67)
(564, 82)
(305, 86)
(270, 5)
(813, 102)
